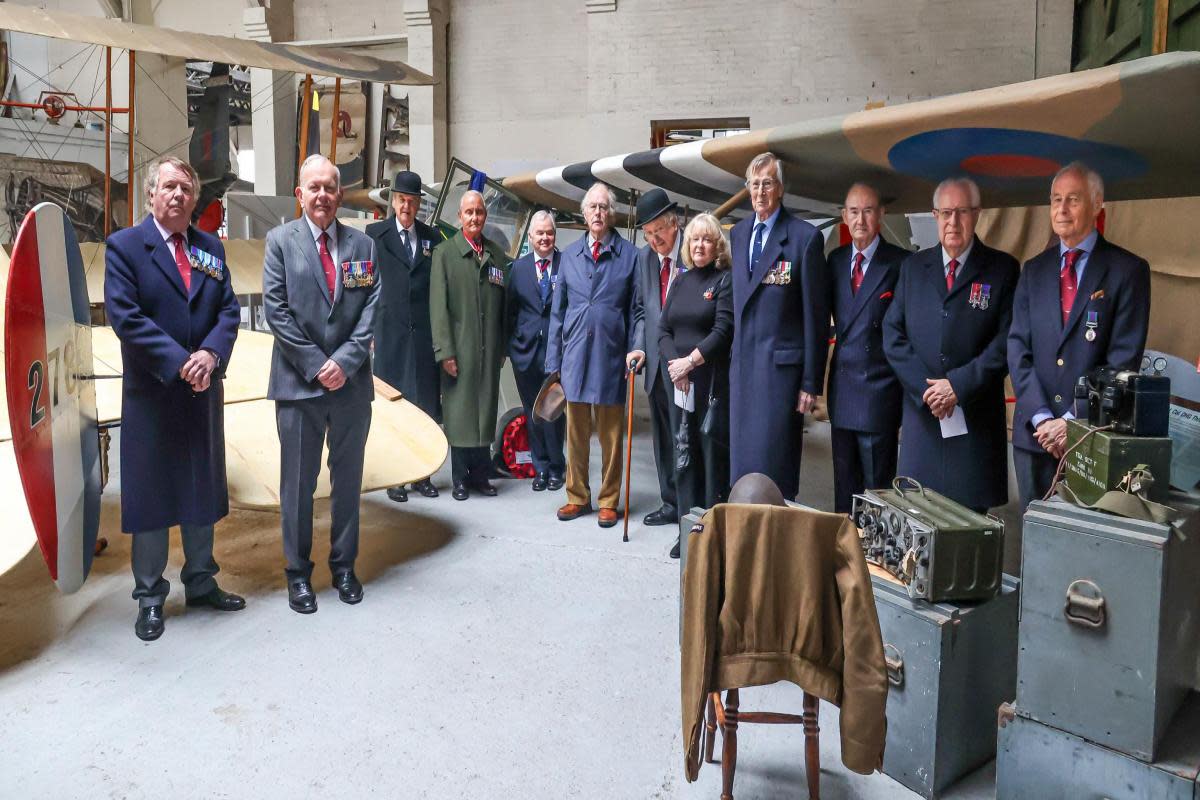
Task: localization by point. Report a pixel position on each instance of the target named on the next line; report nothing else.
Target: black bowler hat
(405, 182)
(652, 205)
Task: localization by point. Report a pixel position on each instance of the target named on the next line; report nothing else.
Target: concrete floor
(497, 653)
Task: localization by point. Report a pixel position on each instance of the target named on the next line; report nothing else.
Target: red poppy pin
(708, 295)
(885, 296)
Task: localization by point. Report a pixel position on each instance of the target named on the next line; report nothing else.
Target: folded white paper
(687, 400)
(955, 424)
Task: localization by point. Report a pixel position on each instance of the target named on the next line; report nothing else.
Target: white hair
(761, 162)
(313, 160)
(611, 196)
(963, 182)
(866, 187)
(462, 201)
(1094, 181)
(542, 215)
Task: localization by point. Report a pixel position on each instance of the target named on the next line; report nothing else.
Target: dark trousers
(546, 439)
(304, 426)
(704, 482)
(470, 464)
(662, 432)
(1035, 473)
(148, 558)
(861, 460)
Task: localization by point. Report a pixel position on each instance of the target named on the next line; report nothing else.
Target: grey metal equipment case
(1038, 762)
(939, 549)
(1110, 624)
(950, 666)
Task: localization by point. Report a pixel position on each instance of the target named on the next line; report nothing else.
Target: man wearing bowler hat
(403, 340)
(658, 264)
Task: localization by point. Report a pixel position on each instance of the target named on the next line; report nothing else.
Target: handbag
(715, 424)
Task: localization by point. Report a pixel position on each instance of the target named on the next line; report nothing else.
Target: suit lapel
(875, 273)
(935, 272)
(162, 255)
(1093, 274)
(392, 243)
(771, 249)
(969, 271)
(198, 276)
(308, 247)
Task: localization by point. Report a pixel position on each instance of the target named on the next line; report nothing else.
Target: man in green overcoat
(466, 313)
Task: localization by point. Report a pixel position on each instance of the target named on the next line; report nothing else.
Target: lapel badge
(1097, 295)
(357, 274)
(1092, 323)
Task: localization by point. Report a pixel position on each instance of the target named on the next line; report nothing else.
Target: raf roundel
(51, 396)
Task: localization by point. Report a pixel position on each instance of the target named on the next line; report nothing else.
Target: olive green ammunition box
(1102, 461)
(938, 548)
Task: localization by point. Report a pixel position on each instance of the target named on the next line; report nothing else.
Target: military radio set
(939, 549)
(1129, 402)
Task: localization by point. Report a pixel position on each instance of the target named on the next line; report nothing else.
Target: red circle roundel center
(1008, 165)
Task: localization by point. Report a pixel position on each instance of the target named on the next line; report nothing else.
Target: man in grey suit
(320, 287)
(658, 264)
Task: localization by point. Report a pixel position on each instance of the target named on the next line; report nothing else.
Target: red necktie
(181, 261)
(856, 276)
(596, 252)
(1067, 283)
(950, 268)
(664, 280)
(327, 262)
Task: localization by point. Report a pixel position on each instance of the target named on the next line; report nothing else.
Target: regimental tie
(544, 281)
(404, 241)
(664, 280)
(596, 252)
(1068, 282)
(951, 268)
(181, 261)
(327, 262)
(856, 275)
(757, 248)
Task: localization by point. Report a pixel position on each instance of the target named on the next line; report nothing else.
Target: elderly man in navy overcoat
(864, 393)
(595, 325)
(1080, 304)
(945, 336)
(170, 301)
(781, 303)
(531, 283)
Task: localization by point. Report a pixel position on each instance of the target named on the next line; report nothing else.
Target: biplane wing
(1136, 123)
(301, 59)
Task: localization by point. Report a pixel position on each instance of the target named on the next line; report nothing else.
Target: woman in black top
(695, 333)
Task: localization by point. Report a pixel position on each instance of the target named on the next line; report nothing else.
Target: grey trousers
(663, 425)
(303, 428)
(148, 558)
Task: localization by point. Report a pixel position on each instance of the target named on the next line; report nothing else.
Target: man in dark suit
(169, 299)
(864, 394)
(403, 354)
(781, 304)
(320, 288)
(531, 285)
(1082, 303)
(945, 336)
(658, 264)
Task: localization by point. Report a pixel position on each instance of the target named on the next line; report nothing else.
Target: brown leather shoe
(572, 511)
(608, 517)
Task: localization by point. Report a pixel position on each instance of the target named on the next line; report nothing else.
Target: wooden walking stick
(628, 443)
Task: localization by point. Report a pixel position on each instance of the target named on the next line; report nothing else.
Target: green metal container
(939, 549)
(1100, 463)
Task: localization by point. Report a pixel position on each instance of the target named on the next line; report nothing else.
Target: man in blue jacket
(595, 325)
(864, 394)
(170, 301)
(780, 331)
(1080, 304)
(531, 283)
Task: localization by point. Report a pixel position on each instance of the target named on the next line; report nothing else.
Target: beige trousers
(609, 425)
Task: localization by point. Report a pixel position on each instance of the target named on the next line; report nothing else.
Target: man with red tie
(320, 288)
(1082, 303)
(169, 299)
(945, 336)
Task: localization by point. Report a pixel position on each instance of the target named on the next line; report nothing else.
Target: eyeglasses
(765, 185)
(947, 214)
(597, 207)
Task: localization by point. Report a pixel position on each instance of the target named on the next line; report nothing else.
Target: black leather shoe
(425, 488)
(675, 550)
(485, 488)
(219, 599)
(554, 483)
(398, 494)
(348, 587)
(460, 491)
(301, 597)
(664, 516)
(149, 625)
(539, 482)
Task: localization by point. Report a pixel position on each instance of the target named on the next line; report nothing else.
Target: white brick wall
(535, 83)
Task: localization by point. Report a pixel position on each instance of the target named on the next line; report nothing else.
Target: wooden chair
(727, 717)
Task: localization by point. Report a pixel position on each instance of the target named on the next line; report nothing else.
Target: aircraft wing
(1010, 139)
(301, 59)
